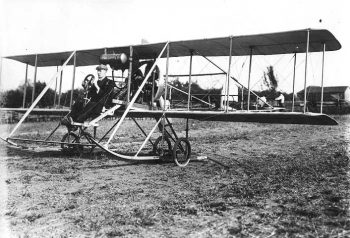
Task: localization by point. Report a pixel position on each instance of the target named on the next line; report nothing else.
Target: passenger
(98, 94)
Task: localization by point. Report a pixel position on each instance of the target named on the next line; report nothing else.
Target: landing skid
(125, 157)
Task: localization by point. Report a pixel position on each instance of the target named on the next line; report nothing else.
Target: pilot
(99, 92)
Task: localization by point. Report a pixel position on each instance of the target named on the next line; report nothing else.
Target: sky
(39, 26)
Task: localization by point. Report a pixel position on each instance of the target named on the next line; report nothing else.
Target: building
(337, 93)
(336, 99)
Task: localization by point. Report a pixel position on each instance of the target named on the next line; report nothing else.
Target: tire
(182, 152)
(164, 149)
(70, 137)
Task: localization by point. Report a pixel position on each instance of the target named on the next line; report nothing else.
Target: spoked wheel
(162, 147)
(70, 149)
(182, 152)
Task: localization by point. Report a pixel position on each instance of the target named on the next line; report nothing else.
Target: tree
(14, 98)
(271, 82)
(65, 97)
(2, 99)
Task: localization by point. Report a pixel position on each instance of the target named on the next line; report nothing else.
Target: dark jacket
(106, 86)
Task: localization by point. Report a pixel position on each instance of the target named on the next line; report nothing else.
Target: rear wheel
(71, 148)
(182, 152)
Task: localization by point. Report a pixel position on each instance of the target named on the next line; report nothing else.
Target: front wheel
(162, 146)
(182, 152)
(70, 146)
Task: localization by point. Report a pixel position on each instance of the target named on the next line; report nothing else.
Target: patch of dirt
(259, 180)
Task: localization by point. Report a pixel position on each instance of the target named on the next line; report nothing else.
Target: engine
(115, 61)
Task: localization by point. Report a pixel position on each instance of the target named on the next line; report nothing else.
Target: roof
(318, 89)
(260, 44)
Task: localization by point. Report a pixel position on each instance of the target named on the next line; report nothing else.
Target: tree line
(14, 98)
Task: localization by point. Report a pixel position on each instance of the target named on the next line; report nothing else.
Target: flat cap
(101, 67)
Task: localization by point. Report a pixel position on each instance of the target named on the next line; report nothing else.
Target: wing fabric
(261, 44)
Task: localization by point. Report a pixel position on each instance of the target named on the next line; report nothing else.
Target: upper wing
(260, 44)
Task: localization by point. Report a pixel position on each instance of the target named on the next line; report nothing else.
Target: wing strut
(323, 53)
(41, 95)
(73, 81)
(136, 95)
(306, 57)
(166, 90)
(189, 83)
(228, 76)
(249, 73)
(25, 88)
(293, 99)
(35, 74)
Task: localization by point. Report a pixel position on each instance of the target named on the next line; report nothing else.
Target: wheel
(182, 152)
(162, 148)
(69, 149)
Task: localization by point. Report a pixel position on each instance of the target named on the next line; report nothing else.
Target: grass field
(259, 180)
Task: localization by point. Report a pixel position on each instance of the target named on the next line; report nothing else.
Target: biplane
(138, 99)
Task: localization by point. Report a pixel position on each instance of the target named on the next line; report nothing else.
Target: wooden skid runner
(125, 157)
(10, 139)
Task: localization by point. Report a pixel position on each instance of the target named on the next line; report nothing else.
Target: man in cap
(99, 95)
(102, 85)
